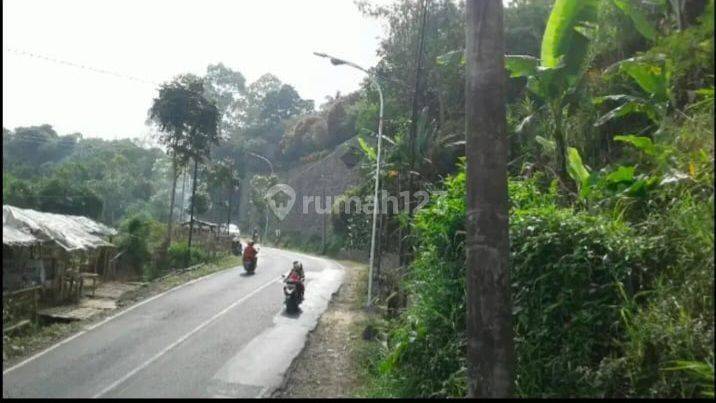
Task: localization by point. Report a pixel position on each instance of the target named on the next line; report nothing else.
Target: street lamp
(271, 167)
(336, 62)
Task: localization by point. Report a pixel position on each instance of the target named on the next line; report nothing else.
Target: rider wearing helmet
(297, 270)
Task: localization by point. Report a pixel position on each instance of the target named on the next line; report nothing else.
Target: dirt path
(327, 365)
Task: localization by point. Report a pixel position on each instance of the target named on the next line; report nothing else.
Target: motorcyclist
(236, 246)
(297, 269)
(255, 236)
(250, 253)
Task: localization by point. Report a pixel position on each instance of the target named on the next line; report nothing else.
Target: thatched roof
(25, 227)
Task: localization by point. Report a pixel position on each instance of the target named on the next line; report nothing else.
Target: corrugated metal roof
(23, 227)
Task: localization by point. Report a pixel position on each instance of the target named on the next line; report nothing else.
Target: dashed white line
(182, 339)
(96, 325)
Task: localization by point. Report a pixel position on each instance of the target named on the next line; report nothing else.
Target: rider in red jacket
(297, 276)
(250, 252)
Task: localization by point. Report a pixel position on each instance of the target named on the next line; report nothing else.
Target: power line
(80, 66)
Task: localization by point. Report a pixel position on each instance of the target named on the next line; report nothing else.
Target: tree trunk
(171, 203)
(489, 313)
(191, 215)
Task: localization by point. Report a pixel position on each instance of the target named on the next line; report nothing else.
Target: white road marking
(96, 325)
(264, 361)
(183, 338)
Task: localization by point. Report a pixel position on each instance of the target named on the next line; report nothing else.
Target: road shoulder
(328, 364)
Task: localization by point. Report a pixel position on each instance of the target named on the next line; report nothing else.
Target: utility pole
(183, 186)
(323, 196)
(489, 310)
(403, 258)
(337, 62)
(191, 219)
(272, 174)
(228, 214)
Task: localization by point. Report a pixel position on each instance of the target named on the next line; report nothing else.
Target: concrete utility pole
(336, 61)
(267, 214)
(191, 219)
(323, 196)
(489, 309)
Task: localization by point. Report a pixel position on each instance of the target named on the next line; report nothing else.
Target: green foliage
(187, 119)
(134, 244)
(638, 18)
(563, 44)
(425, 355)
(566, 269)
(178, 254)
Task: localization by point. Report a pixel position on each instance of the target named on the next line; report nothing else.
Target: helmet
(251, 243)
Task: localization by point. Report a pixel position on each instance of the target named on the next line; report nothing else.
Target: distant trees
(91, 177)
(26, 149)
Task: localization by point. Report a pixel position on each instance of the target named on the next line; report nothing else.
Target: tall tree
(489, 311)
(188, 123)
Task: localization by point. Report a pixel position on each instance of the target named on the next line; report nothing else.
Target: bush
(601, 307)
(178, 253)
(134, 242)
(425, 354)
(568, 269)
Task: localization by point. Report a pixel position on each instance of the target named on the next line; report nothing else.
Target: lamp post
(267, 215)
(336, 62)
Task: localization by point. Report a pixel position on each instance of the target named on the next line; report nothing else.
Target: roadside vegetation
(610, 121)
(612, 258)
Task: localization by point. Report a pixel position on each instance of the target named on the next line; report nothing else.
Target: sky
(151, 41)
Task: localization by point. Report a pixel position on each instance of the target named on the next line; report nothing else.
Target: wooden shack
(52, 251)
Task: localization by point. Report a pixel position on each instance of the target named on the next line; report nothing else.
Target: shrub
(178, 253)
(601, 308)
(134, 242)
(567, 271)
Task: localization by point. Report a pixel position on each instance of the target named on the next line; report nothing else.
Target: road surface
(225, 335)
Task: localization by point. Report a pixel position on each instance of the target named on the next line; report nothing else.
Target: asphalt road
(225, 335)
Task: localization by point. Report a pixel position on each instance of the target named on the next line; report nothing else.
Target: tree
(489, 310)
(225, 87)
(263, 111)
(188, 124)
(222, 175)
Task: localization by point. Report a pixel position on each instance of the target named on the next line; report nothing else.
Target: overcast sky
(154, 40)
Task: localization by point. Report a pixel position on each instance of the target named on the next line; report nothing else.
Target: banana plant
(623, 181)
(555, 76)
(651, 74)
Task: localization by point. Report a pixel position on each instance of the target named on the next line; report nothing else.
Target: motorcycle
(236, 248)
(250, 265)
(291, 292)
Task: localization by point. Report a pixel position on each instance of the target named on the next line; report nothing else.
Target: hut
(42, 249)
